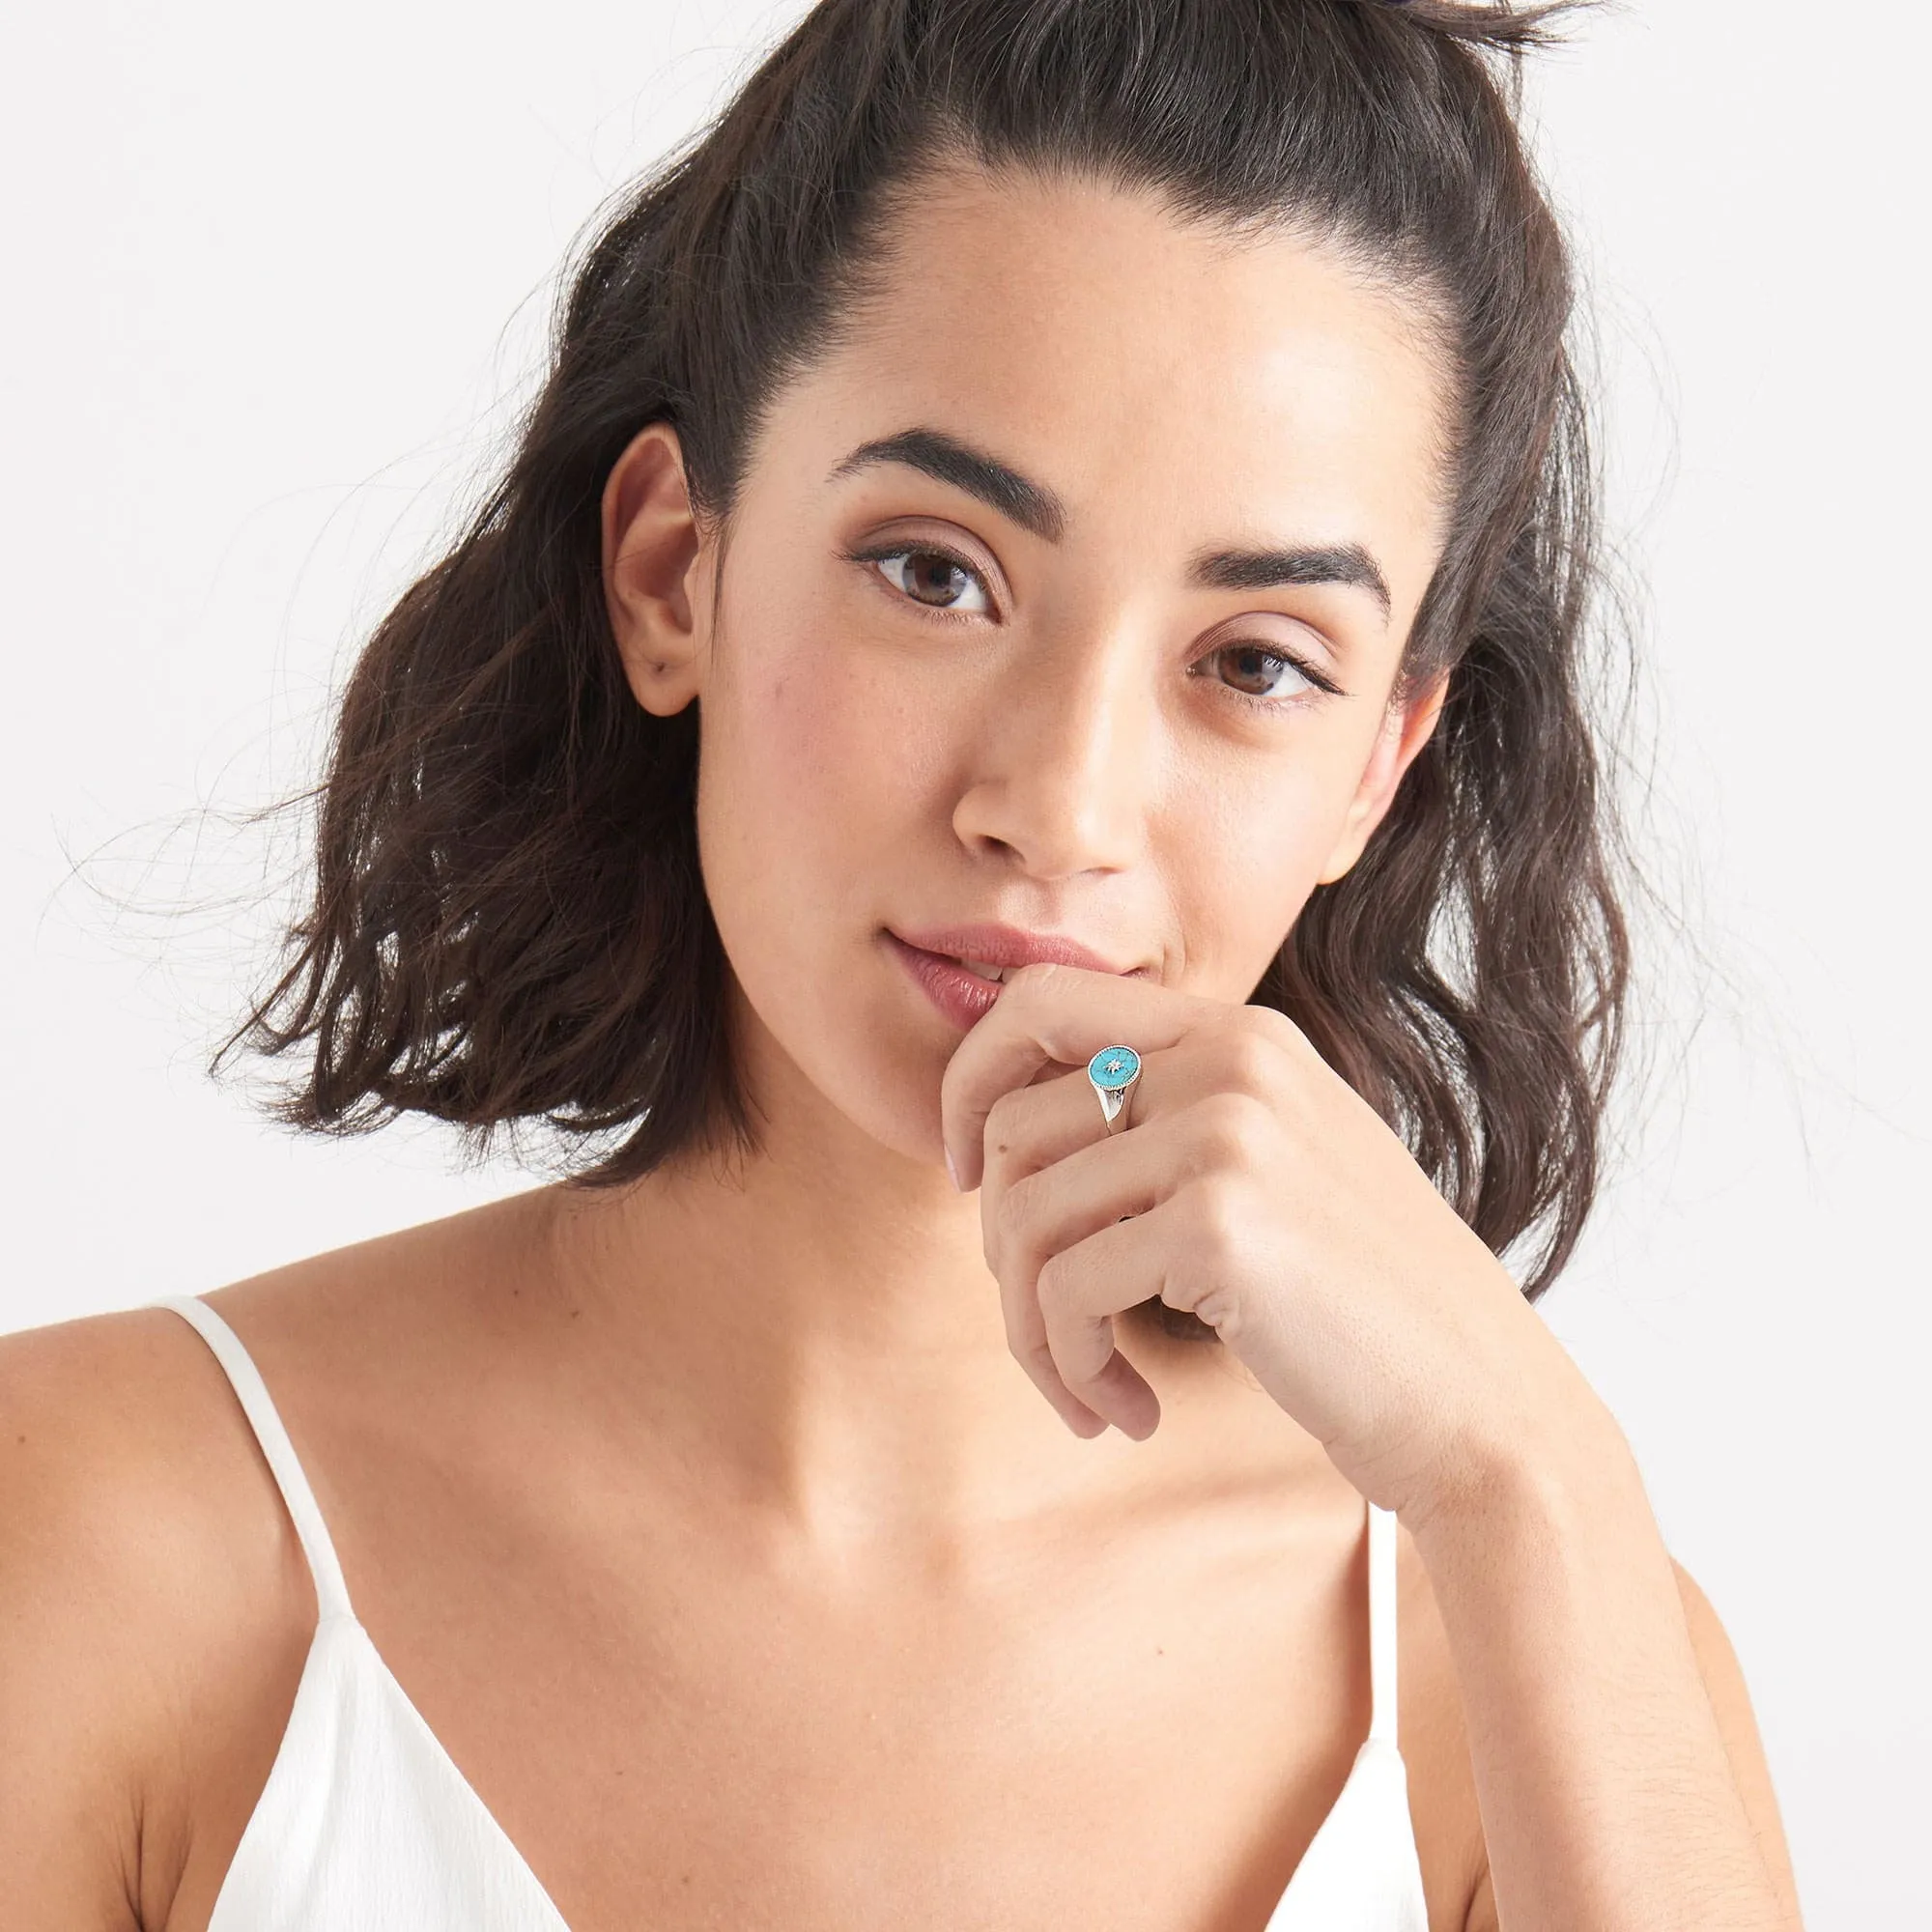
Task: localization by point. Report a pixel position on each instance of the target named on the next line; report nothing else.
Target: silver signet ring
(1113, 1071)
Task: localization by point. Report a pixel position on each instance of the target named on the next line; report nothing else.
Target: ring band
(1113, 1072)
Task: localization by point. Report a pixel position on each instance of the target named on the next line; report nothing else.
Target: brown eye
(928, 576)
(1264, 673)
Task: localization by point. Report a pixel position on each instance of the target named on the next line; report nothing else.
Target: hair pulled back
(508, 919)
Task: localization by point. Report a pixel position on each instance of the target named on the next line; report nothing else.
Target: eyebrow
(1039, 511)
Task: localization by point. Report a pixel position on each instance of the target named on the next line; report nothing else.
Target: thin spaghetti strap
(331, 1594)
(1381, 1623)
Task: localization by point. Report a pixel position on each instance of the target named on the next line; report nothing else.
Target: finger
(1036, 1357)
(1048, 1013)
(1036, 1126)
(1077, 1294)
(1070, 1350)
(1033, 1349)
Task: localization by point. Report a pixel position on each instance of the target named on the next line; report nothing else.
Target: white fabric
(365, 1825)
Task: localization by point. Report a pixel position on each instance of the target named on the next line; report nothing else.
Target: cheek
(804, 797)
(799, 758)
(1246, 851)
(812, 782)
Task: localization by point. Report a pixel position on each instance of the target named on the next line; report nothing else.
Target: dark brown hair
(508, 919)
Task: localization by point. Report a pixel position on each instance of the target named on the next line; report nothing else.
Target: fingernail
(953, 1172)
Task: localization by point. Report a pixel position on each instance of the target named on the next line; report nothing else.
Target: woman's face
(929, 700)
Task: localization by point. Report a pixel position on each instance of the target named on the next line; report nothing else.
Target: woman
(1036, 630)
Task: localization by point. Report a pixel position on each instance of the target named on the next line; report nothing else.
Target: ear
(1405, 729)
(652, 549)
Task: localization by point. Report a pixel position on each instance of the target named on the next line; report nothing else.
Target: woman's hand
(1267, 1198)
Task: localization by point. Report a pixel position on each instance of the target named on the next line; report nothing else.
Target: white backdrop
(275, 280)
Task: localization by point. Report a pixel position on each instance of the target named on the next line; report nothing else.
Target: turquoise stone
(1114, 1067)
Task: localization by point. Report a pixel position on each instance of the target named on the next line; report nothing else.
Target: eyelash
(879, 552)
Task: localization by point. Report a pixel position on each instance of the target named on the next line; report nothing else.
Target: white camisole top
(365, 1824)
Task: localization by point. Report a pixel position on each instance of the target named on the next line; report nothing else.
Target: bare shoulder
(155, 1605)
(139, 1571)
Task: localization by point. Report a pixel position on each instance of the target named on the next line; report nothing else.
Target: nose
(1064, 764)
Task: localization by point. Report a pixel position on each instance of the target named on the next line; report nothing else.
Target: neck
(814, 1329)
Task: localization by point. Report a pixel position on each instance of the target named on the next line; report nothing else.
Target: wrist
(1558, 1461)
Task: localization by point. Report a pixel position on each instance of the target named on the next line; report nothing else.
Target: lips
(981, 969)
(962, 968)
(984, 948)
(962, 995)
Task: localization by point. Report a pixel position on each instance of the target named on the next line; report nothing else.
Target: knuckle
(1231, 1125)
(997, 1134)
(1050, 1285)
(1220, 1307)
(1215, 1216)
(1036, 1359)
(1014, 1208)
(1253, 1057)
(1276, 1027)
